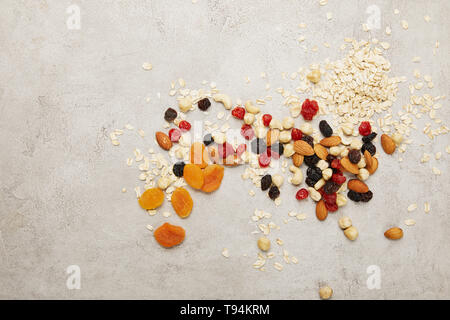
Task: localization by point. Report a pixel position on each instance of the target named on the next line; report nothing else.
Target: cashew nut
(250, 107)
(297, 178)
(344, 152)
(277, 179)
(224, 99)
(397, 137)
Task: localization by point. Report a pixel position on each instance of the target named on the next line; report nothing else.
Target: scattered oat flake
(447, 149)
(396, 11)
(388, 30)
(410, 222)
(427, 18)
(124, 190)
(416, 59)
(412, 207)
(167, 214)
(329, 15)
(150, 227)
(323, 2)
(404, 24)
(278, 266)
(141, 132)
(147, 66)
(436, 171)
(152, 212)
(138, 192)
(129, 127)
(426, 207)
(438, 155)
(115, 142)
(301, 216)
(225, 253)
(251, 192)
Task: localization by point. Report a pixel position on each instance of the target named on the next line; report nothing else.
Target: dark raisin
(308, 139)
(258, 146)
(331, 187)
(354, 196)
(325, 128)
(369, 146)
(310, 182)
(274, 192)
(369, 138)
(170, 115)
(277, 147)
(354, 156)
(266, 182)
(314, 173)
(208, 139)
(204, 104)
(311, 161)
(366, 197)
(178, 169)
(330, 158)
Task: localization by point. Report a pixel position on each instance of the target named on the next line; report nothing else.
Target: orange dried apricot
(193, 175)
(169, 235)
(199, 154)
(213, 175)
(151, 198)
(182, 202)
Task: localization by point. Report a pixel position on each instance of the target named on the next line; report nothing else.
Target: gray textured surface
(60, 179)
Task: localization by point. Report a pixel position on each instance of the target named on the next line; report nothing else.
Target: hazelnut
(264, 244)
(325, 293)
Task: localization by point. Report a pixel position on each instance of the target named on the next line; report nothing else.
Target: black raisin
(314, 173)
(308, 139)
(311, 161)
(354, 196)
(369, 138)
(204, 104)
(170, 115)
(266, 182)
(366, 197)
(208, 139)
(277, 147)
(178, 169)
(258, 146)
(310, 182)
(325, 128)
(369, 146)
(274, 192)
(331, 187)
(354, 156)
(330, 158)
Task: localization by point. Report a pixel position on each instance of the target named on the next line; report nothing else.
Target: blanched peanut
(319, 184)
(322, 164)
(285, 136)
(341, 200)
(276, 124)
(288, 123)
(249, 118)
(314, 194)
(306, 128)
(351, 233)
(185, 104)
(327, 173)
(363, 174)
(345, 222)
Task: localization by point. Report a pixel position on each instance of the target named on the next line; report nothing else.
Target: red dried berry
(309, 109)
(247, 132)
(264, 159)
(329, 198)
(336, 164)
(241, 149)
(365, 128)
(331, 207)
(266, 119)
(338, 178)
(296, 134)
(225, 150)
(238, 113)
(174, 135)
(301, 194)
(184, 125)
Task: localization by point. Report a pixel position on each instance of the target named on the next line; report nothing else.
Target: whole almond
(373, 167)
(368, 158)
(331, 141)
(272, 136)
(357, 186)
(321, 210)
(297, 159)
(303, 148)
(163, 140)
(348, 166)
(394, 233)
(388, 144)
(321, 151)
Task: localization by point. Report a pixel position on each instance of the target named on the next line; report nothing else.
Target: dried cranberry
(184, 125)
(266, 182)
(258, 146)
(238, 113)
(174, 134)
(170, 115)
(336, 164)
(301, 194)
(331, 207)
(204, 104)
(264, 159)
(296, 134)
(247, 131)
(325, 129)
(241, 149)
(208, 139)
(309, 109)
(329, 198)
(266, 119)
(338, 178)
(370, 137)
(369, 146)
(274, 192)
(354, 156)
(365, 128)
(225, 150)
(308, 139)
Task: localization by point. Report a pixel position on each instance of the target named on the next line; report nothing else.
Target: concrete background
(62, 91)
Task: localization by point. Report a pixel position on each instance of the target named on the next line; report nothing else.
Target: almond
(321, 151)
(357, 186)
(388, 144)
(368, 158)
(348, 166)
(321, 210)
(331, 141)
(272, 136)
(163, 140)
(394, 233)
(297, 159)
(373, 167)
(303, 148)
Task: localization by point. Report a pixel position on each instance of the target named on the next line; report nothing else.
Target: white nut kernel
(336, 150)
(219, 137)
(250, 107)
(288, 150)
(314, 194)
(345, 222)
(362, 163)
(363, 174)
(314, 76)
(277, 179)
(285, 136)
(260, 132)
(306, 128)
(356, 144)
(347, 128)
(351, 233)
(288, 123)
(295, 110)
(319, 184)
(322, 164)
(249, 118)
(185, 104)
(341, 200)
(224, 99)
(164, 183)
(327, 173)
(398, 138)
(276, 124)
(297, 178)
(344, 152)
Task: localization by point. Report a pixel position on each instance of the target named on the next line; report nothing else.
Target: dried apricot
(169, 235)
(213, 176)
(199, 155)
(151, 199)
(193, 175)
(182, 202)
